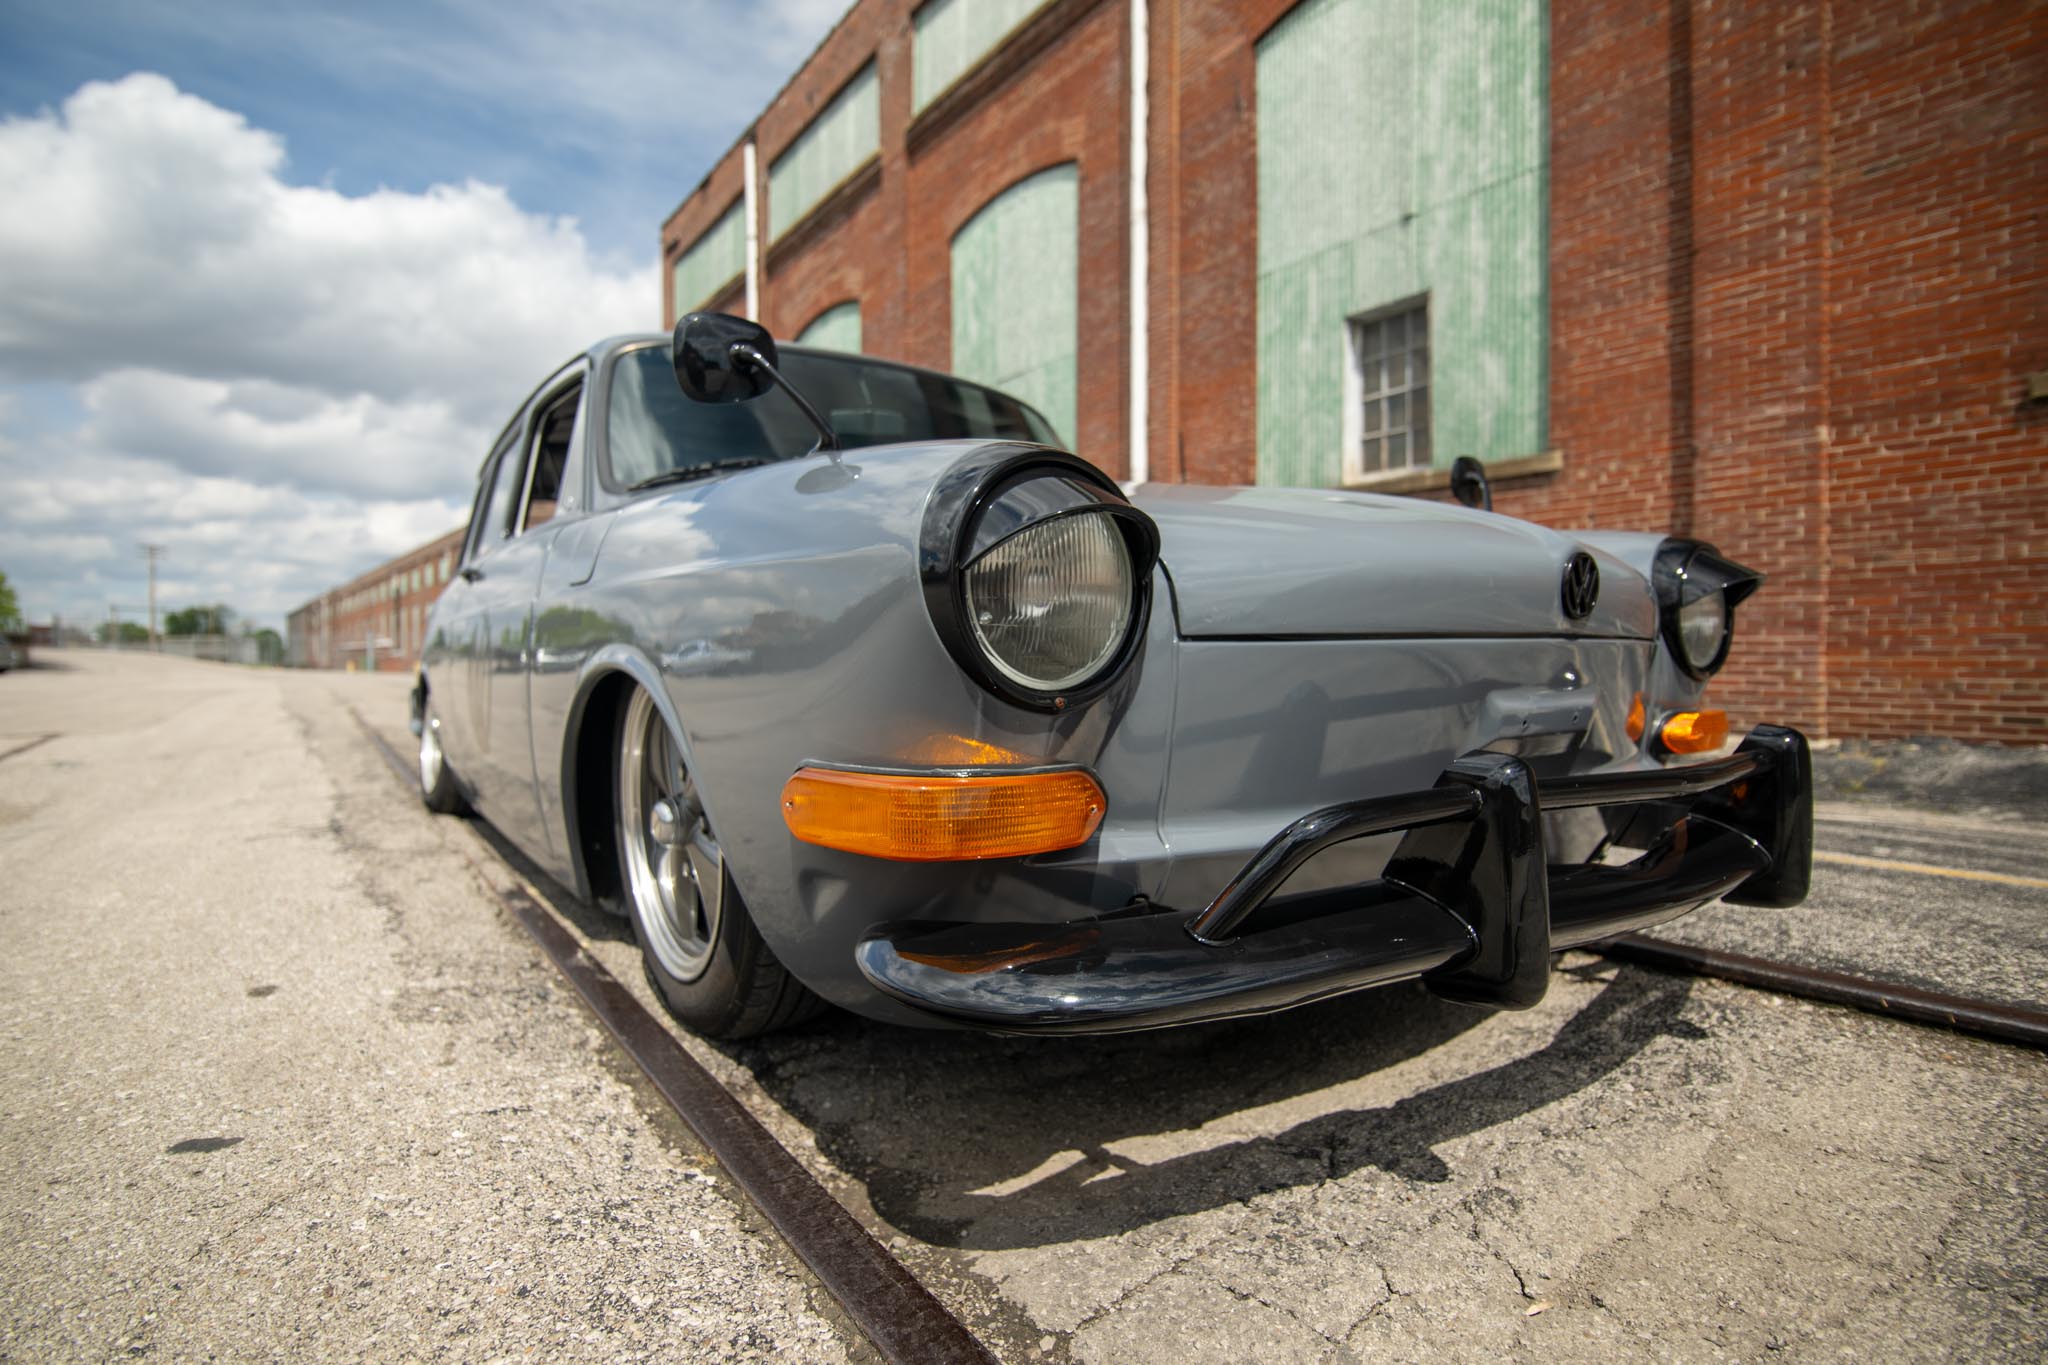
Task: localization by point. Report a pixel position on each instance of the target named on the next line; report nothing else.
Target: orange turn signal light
(1636, 720)
(938, 817)
(1695, 732)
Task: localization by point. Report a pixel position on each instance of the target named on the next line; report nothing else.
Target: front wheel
(438, 788)
(702, 953)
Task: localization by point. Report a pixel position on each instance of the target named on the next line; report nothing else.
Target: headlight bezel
(984, 501)
(1685, 573)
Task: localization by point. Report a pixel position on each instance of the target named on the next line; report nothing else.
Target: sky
(272, 275)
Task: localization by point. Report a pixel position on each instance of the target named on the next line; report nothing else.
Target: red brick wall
(1759, 480)
(1797, 282)
(361, 609)
(1798, 277)
(1620, 301)
(1204, 194)
(1938, 308)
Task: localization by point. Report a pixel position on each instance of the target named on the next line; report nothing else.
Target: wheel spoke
(654, 763)
(708, 866)
(675, 869)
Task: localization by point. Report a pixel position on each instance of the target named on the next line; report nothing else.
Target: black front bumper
(1468, 902)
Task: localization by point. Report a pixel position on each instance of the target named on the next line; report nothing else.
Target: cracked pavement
(1642, 1165)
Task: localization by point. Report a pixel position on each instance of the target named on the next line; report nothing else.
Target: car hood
(1313, 562)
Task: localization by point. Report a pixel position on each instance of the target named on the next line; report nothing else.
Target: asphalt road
(1955, 903)
(277, 1077)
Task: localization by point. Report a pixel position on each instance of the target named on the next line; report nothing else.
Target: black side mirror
(723, 359)
(1469, 485)
(715, 357)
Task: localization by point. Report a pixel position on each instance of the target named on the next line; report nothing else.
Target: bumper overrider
(1468, 902)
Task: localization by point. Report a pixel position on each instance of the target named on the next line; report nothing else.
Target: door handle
(471, 575)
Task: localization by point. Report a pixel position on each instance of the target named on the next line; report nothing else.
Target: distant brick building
(378, 619)
(1773, 275)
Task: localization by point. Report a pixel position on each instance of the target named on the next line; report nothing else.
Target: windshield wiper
(685, 473)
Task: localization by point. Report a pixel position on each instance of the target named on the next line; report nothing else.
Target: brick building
(1771, 274)
(378, 619)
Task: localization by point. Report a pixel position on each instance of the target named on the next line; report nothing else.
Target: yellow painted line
(1968, 874)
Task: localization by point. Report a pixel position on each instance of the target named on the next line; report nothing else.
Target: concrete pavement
(277, 1082)
(417, 1145)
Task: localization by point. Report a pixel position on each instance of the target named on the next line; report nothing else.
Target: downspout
(748, 199)
(1140, 381)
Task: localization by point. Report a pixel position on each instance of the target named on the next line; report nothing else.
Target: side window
(504, 498)
(554, 432)
(485, 479)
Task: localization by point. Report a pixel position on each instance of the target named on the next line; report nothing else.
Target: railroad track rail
(898, 1315)
(1894, 999)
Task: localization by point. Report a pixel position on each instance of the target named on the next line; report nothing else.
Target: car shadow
(987, 1143)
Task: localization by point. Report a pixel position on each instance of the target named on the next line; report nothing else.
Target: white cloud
(270, 432)
(164, 238)
(280, 383)
(71, 532)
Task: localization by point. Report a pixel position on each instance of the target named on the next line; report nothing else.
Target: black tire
(439, 790)
(702, 953)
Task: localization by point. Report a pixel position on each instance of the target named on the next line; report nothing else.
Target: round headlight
(1703, 629)
(1050, 605)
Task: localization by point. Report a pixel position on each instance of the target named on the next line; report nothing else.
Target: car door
(454, 650)
(505, 587)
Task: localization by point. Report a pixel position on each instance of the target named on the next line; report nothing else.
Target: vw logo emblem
(1581, 585)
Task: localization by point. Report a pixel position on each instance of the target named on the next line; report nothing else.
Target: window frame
(540, 410)
(1354, 470)
(480, 541)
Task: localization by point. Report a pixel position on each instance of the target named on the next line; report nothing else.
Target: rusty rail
(885, 1301)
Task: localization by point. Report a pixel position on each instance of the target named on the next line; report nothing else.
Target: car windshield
(653, 430)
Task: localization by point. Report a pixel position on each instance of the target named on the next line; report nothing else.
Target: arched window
(835, 329)
(1015, 308)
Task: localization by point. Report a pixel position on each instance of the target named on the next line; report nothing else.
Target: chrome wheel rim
(674, 869)
(430, 753)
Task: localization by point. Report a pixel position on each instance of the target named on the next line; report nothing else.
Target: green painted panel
(1015, 300)
(952, 35)
(846, 133)
(1402, 154)
(712, 261)
(835, 329)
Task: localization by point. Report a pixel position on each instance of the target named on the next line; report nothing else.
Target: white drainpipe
(1141, 347)
(747, 202)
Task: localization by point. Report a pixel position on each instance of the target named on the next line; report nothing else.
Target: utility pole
(152, 551)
